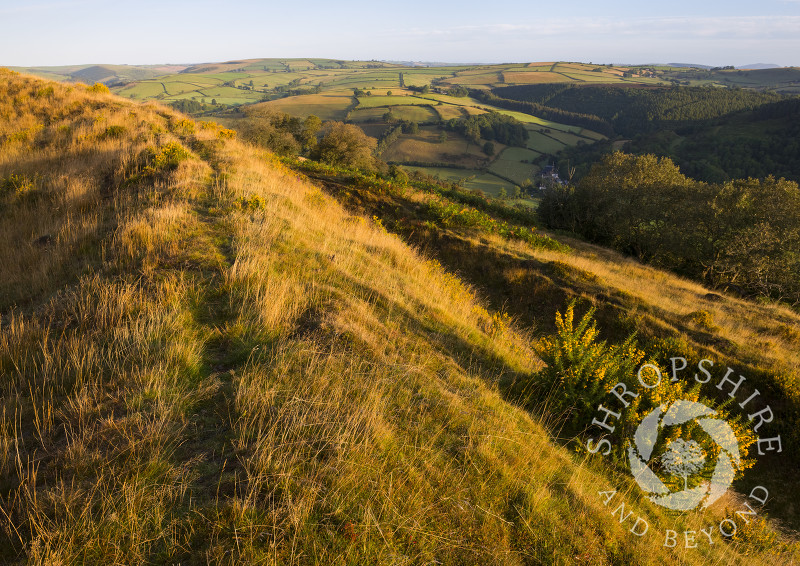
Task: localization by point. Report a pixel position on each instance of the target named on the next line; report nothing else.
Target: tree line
(490, 126)
(580, 119)
(742, 234)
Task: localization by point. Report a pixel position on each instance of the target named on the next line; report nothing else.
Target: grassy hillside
(206, 359)
(524, 276)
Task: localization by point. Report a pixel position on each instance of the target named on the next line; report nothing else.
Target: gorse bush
(98, 87)
(23, 135)
(252, 203)
(17, 185)
(166, 157)
(580, 368)
(581, 372)
(157, 161)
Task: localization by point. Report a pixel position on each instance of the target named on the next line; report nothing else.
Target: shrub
(581, 371)
(252, 203)
(98, 87)
(702, 319)
(113, 132)
(183, 127)
(166, 157)
(580, 368)
(17, 184)
(26, 135)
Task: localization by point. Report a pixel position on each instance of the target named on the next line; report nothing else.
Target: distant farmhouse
(549, 176)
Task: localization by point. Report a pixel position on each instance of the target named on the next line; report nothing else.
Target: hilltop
(209, 358)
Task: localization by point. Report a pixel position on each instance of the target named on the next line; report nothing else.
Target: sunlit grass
(210, 361)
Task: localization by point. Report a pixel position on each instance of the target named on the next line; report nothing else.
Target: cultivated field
(324, 87)
(326, 106)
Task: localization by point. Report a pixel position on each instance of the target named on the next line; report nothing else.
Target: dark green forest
(757, 143)
(632, 110)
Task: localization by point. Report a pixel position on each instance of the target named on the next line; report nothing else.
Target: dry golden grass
(761, 335)
(212, 362)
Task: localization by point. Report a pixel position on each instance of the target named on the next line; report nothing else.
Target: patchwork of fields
(243, 82)
(391, 93)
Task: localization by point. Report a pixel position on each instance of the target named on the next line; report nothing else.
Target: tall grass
(210, 361)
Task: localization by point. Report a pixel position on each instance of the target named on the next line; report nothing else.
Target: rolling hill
(206, 358)
(106, 74)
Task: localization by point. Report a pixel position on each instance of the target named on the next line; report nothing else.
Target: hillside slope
(204, 359)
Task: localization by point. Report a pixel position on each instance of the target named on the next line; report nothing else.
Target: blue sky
(714, 32)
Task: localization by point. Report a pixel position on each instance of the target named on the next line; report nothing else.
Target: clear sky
(713, 32)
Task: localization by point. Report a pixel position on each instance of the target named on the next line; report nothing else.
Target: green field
(567, 138)
(453, 175)
(373, 101)
(535, 121)
(412, 78)
(482, 80)
(514, 171)
(449, 111)
(590, 134)
(516, 164)
(468, 178)
(361, 115)
(413, 113)
(473, 111)
(143, 90)
(489, 184)
(326, 106)
(540, 142)
(425, 147)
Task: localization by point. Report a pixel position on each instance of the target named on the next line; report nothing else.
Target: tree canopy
(279, 132)
(346, 145)
(491, 126)
(744, 233)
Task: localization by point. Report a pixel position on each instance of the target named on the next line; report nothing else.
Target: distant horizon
(717, 32)
(430, 62)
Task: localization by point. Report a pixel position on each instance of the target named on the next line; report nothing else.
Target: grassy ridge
(207, 360)
(531, 281)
